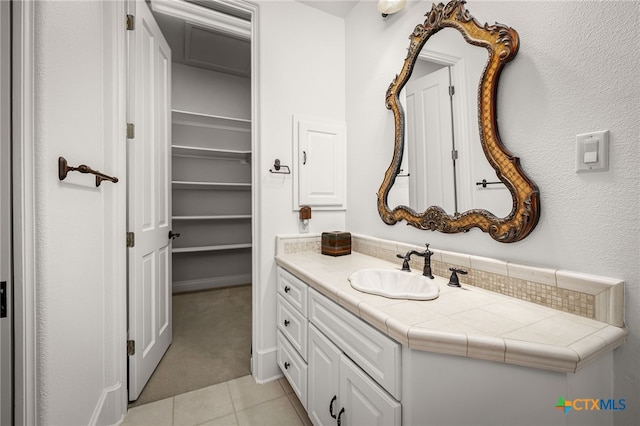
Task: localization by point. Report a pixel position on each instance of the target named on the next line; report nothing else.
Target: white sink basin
(394, 284)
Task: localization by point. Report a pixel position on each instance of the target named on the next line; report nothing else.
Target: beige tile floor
(236, 402)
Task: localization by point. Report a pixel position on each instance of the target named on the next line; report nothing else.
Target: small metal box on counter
(336, 243)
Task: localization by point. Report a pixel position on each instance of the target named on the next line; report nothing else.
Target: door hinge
(131, 347)
(452, 90)
(131, 130)
(454, 154)
(131, 22)
(131, 239)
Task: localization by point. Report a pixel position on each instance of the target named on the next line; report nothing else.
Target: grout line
(173, 410)
(231, 398)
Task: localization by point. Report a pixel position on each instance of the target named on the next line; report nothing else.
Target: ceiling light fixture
(387, 7)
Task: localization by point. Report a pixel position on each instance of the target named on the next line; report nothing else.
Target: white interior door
(149, 196)
(6, 350)
(430, 138)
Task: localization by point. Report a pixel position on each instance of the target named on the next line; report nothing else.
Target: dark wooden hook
(64, 168)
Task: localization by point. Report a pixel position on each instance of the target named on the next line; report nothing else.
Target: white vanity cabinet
(339, 367)
(478, 358)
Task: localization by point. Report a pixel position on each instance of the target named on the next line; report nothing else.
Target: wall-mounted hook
(277, 166)
(64, 168)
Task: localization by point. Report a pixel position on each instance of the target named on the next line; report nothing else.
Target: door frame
(257, 368)
(24, 238)
(248, 9)
(6, 323)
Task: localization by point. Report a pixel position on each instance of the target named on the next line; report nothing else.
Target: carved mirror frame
(502, 43)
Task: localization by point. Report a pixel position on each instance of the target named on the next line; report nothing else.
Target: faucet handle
(454, 281)
(405, 263)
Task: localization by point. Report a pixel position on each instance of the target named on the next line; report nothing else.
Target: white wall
(576, 71)
(302, 63)
(79, 229)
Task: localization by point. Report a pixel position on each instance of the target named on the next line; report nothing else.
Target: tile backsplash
(590, 296)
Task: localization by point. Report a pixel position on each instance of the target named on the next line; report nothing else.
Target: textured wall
(80, 258)
(302, 64)
(576, 72)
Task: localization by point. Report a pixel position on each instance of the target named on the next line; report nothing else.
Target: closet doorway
(209, 312)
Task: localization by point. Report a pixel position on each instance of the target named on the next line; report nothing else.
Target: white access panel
(321, 164)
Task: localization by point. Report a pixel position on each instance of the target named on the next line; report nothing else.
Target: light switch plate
(585, 156)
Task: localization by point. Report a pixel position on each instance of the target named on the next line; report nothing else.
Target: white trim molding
(193, 14)
(25, 274)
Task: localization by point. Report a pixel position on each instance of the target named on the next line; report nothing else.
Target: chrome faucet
(426, 271)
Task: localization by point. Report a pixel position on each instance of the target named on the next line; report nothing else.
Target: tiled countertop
(467, 321)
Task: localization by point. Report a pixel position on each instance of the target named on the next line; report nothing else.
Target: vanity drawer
(373, 351)
(293, 290)
(293, 325)
(293, 367)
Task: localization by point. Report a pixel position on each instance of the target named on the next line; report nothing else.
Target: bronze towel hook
(64, 168)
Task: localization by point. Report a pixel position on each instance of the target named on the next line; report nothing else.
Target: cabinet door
(324, 370)
(364, 402)
(321, 165)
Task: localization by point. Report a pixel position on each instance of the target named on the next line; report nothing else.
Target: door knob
(173, 235)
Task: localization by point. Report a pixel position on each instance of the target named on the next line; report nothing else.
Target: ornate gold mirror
(502, 43)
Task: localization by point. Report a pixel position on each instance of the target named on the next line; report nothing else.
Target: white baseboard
(267, 365)
(111, 407)
(211, 283)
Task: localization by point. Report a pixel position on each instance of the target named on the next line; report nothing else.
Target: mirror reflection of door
(430, 142)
